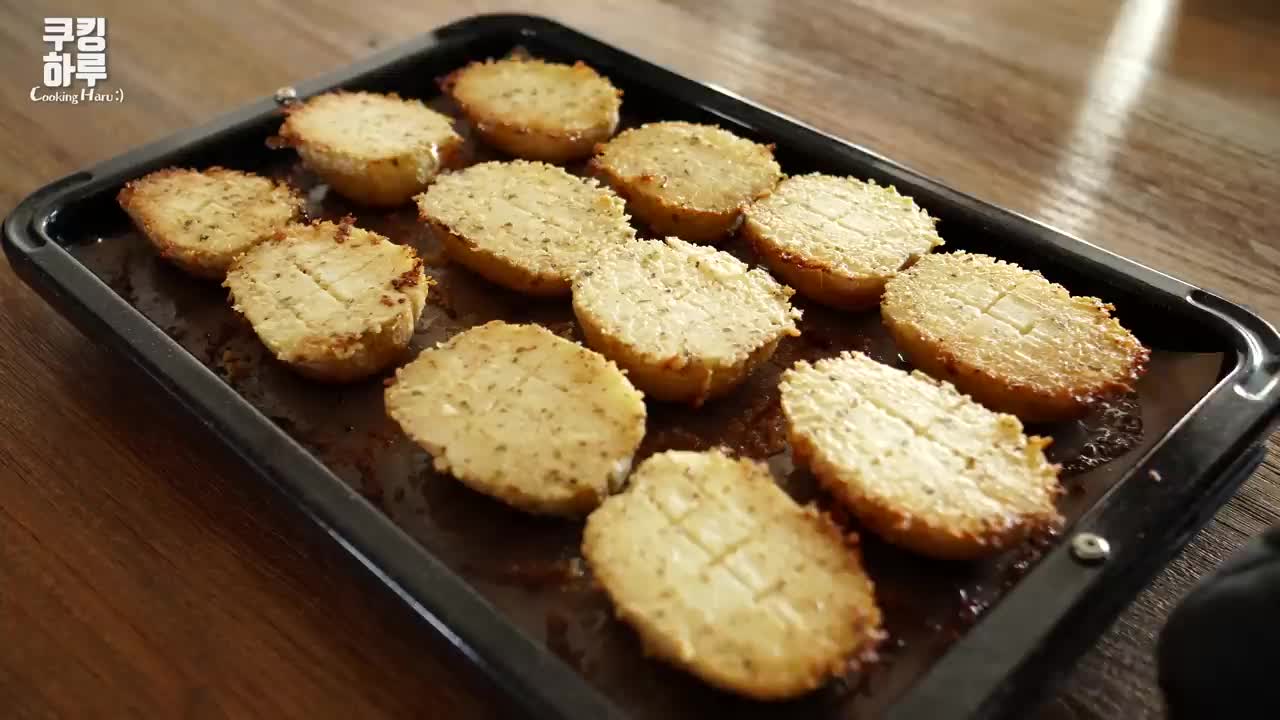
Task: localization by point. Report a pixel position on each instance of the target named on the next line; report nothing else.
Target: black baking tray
(967, 640)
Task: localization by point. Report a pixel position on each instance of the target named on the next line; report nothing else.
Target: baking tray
(509, 591)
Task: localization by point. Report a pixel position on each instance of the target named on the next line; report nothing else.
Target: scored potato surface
(375, 149)
(334, 301)
(367, 125)
(201, 219)
(687, 179)
(838, 239)
(722, 574)
(536, 109)
(917, 462)
(519, 414)
(1008, 337)
(525, 225)
(699, 166)
(687, 321)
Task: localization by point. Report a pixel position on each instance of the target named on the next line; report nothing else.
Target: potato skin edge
(381, 182)
(815, 282)
(527, 142)
(693, 384)
(912, 533)
(349, 357)
(196, 262)
(663, 218)
(494, 269)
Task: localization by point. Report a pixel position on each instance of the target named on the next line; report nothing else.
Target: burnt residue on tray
(529, 567)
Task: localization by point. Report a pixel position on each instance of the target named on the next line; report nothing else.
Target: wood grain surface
(144, 573)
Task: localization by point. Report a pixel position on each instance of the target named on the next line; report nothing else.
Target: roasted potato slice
(332, 301)
(918, 463)
(725, 576)
(200, 220)
(522, 415)
(375, 149)
(1009, 338)
(535, 109)
(687, 322)
(684, 179)
(525, 225)
(837, 240)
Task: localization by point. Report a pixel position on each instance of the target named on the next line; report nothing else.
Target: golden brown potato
(521, 415)
(535, 109)
(918, 463)
(687, 180)
(524, 225)
(1012, 340)
(200, 220)
(375, 149)
(725, 576)
(687, 322)
(837, 240)
(332, 301)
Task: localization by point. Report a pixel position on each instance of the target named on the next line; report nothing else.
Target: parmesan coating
(537, 110)
(687, 180)
(522, 415)
(1009, 338)
(200, 220)
(837, 240)
(920, 464)
(725, 576)
(687, 322)
(527, 226)
(375, 149)
(332, 301)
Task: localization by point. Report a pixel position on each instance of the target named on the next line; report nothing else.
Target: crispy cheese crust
(1009, 338)
(375, 149)
(535, 109)
(524, 225)
(687, 322)
(333, 301)
(725, 576)
(918, 463)
(837, 240)
(200, 220)
(521, 415)
(684, 179)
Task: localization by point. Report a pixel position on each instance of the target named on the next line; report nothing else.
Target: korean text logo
(76, 62)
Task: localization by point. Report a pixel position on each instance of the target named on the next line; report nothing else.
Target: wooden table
(143, 573)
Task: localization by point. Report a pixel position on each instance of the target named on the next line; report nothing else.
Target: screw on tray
(286, 95)
(1089, 548)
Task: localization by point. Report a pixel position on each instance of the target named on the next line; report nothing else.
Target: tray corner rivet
(1090, 548)
(286, 95)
